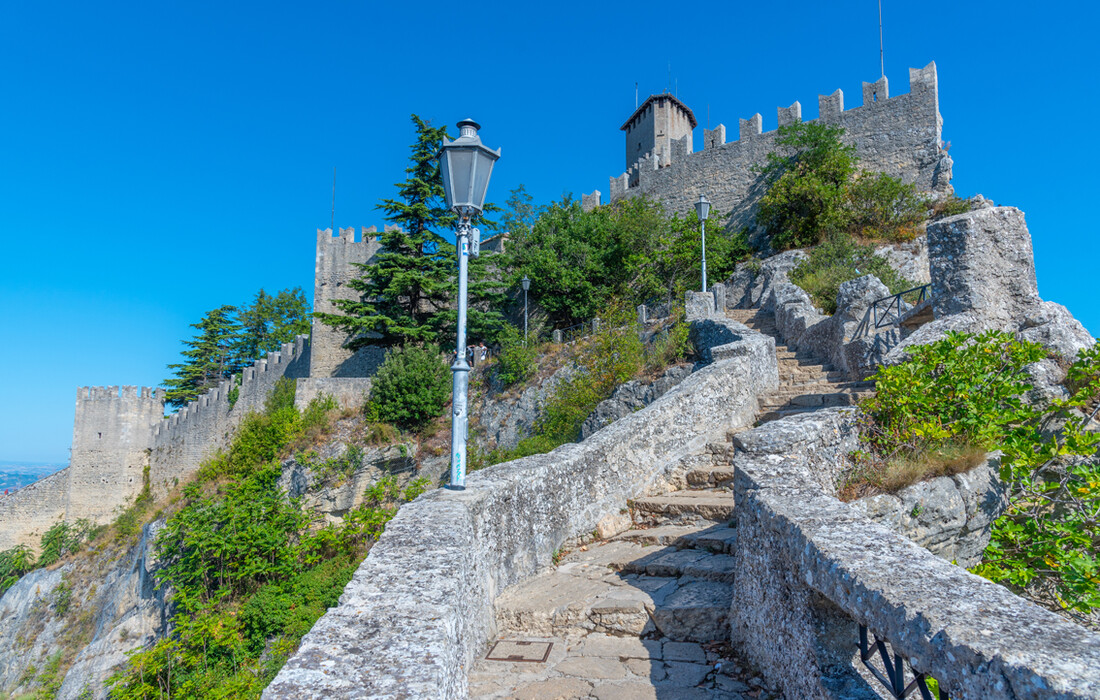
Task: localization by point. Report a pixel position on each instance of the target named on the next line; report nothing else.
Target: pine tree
(407, 295)
(267, 323)
(208, 357)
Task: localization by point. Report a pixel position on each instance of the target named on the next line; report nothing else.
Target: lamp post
(526, 285)
(702, 208)
(465, 164)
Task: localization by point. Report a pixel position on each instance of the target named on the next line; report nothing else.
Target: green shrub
(671, 345)
(969, 390)
(60, 539)
(837, 261)
(950, 206)
(14, 563)
(884, 207)
(517, 359)
(412, 386)
(808, 176)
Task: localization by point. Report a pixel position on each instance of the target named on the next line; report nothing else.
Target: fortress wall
(30, 511)
(897, 135)
(112, 433)
(195, 432)
(335, 268)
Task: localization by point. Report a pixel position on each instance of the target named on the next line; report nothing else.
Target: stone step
(713, 538)
(776, 414)
(816, 400)
(695, 563)
(715, 506)
(709, 477)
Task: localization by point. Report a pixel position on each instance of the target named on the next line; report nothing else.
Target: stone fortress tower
(661, 126)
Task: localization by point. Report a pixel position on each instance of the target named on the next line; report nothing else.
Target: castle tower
(335, 268)
(112, 437)
(662, 126)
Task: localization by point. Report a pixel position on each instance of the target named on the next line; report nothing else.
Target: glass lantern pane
(481, 178)
(445, 171)
(461, 161)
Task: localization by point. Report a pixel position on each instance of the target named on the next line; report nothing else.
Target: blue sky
(160, 159)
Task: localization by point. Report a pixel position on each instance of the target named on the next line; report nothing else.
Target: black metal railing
(892, 674)
(893, 304)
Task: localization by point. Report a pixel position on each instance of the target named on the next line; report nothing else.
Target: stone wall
(810, 569)
(30, 511)
(112, 435)
(420, 607)
(897, 135)
(196, 431)
(335, 268)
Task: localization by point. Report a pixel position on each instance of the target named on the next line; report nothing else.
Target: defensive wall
(27, 513)
(899, 135)
(181, 442)
(426, 590)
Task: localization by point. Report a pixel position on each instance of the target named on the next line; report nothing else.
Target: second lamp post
(526, 285)
(466, 165)
(702, 208)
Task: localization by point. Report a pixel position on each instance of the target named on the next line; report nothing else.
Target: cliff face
(71, 626)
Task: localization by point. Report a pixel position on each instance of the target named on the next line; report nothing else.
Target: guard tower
(662, 126)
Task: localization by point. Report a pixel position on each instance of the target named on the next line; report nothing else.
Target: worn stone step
(776, 414)
(696, 611)
(711, 537)
(715, 506)
(706, 477)
(691, 562)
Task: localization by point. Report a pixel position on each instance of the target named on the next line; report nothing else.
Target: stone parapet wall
(30, 511)
(897, 135)
(420, 607)
(181, 442)
(810, 569)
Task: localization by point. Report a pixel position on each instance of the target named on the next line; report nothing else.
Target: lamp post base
(453, 487)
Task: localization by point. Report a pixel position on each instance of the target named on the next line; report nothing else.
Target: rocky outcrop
(113, 607)
(632, 396)
(909, 259)
(507, 418)
(950, 516)
(751, 284)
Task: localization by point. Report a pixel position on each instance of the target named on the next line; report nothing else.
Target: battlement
(124, 393)
(724, 171)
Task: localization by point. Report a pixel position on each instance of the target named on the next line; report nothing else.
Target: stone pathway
(643, 614)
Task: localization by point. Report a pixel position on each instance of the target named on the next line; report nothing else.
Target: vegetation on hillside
(815, 191)
(964, 395)
(837, 261)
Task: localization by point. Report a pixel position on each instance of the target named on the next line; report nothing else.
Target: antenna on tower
(668, 85)
(677, 85)
(881, 56)
(635, 94)
(332, 220)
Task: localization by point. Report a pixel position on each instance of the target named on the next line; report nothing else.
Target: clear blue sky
(158, 159)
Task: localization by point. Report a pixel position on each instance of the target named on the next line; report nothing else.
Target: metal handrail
(894, 665)
(895, 301)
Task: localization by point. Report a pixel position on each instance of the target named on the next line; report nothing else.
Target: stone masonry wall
(181, 442)
(420, 607)
(112, 435)
(30, 511)
(810, 569)
(897, 135)
(335, 267)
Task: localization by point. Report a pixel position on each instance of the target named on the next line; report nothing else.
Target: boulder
(630, 397)
(909, 259)
(1053, 326)
(751, 284)
(981, 261)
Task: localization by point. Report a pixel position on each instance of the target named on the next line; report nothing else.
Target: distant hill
(15, 475)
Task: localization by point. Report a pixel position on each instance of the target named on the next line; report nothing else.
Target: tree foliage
(407, 291)
(268, 322)
(411, 387)
(837, 261)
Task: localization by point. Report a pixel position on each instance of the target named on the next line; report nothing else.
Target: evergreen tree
(268, 322)
(408, 294)
(208, 358)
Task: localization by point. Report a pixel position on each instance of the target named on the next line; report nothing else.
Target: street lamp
(702, 208)
(526, 285)
(466, 165)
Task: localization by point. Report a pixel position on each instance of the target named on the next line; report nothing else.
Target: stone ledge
(420, 608)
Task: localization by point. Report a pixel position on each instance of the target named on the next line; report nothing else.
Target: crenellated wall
(897, 135)
(112, 435)
(337, 257)
(181, 442)
(27, 513)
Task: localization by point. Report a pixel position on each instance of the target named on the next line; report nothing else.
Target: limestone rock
(632, 396)
(909, 259)
(982, 261)
(752, 282)
(1055, 328)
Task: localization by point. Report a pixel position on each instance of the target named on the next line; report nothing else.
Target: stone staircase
(643, 614)
(806, 383)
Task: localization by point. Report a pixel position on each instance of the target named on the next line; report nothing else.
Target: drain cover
(520, 651)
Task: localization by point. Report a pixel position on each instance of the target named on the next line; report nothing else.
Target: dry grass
(892, 475)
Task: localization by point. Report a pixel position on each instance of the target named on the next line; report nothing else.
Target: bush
(950, 206)
(837, 261)
(14, 563)
(808, 176)
(670, 345)
(517, 359)
(884, 207)
(412, 386)
(62, 538)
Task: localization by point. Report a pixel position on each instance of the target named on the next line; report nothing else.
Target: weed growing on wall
(968, 390)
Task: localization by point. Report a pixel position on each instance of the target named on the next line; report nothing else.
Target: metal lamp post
(526, 285)
(702, 208)
(466, 165)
